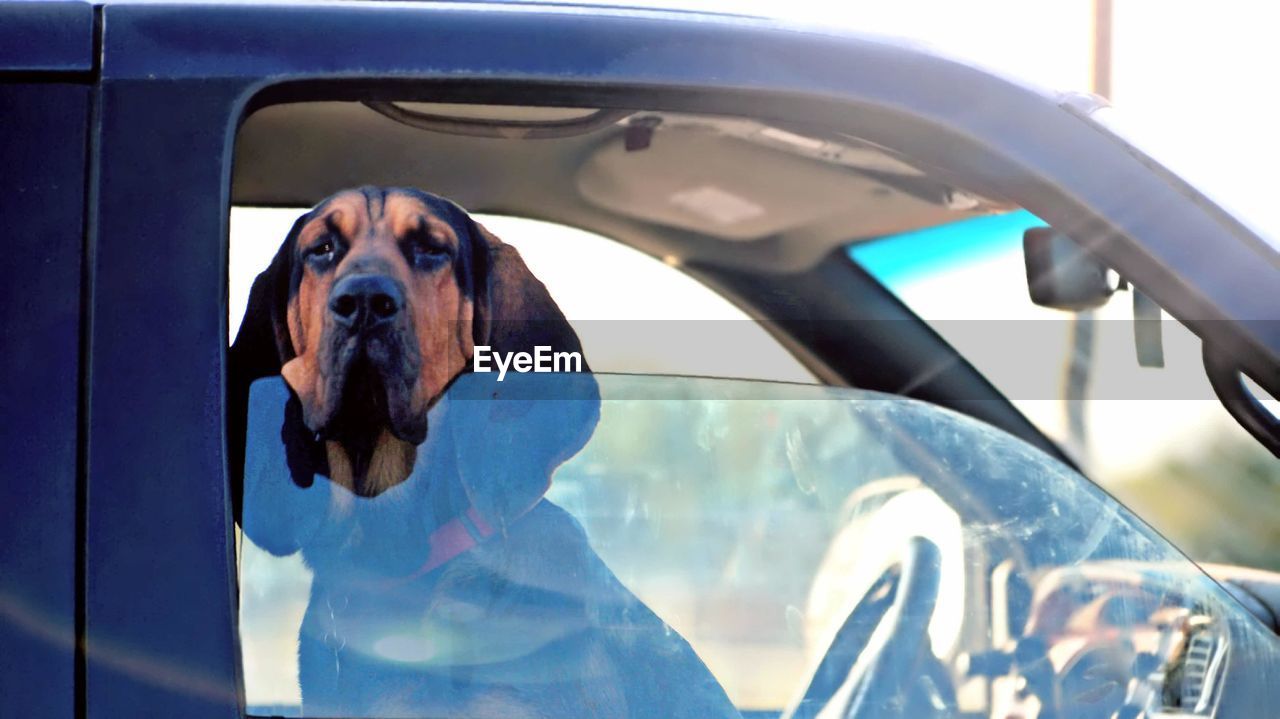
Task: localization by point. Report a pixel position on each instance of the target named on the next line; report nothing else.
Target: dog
(444, 584)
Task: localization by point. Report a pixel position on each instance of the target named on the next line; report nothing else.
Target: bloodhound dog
(444, 584)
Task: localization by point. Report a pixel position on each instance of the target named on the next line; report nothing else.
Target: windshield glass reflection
(689, 547)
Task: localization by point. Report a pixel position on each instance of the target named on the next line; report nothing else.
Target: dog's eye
(425, 251)
(323, 250)
(430, 250)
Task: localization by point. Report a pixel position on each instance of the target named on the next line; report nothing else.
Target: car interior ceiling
(768, 219)
(693, 187)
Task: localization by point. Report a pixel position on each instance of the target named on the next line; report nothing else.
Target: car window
(633, 312)
(468, 482)
(782, 531)
(1156, 437)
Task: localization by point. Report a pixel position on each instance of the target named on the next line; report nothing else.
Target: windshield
(711, 546)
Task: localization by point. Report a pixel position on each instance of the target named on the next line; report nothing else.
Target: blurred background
(1191, 82)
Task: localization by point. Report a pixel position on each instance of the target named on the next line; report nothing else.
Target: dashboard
(1111, 640)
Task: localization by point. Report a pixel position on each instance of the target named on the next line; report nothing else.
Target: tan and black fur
(461, 286)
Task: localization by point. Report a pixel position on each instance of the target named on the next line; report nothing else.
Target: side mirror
(1061, 275)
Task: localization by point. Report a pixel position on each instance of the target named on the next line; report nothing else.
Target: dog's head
(372, 306)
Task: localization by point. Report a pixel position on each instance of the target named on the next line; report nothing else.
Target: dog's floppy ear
(510, 436)
(261, 348)
(262, 344)
(513, 312)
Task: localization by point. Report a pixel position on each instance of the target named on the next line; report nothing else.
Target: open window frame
(160, 590)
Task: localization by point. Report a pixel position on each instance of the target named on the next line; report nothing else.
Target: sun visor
(694, 178)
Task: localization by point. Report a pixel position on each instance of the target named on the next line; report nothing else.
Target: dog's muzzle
(371, 360)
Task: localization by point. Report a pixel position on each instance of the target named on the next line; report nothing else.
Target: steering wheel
(881, 662)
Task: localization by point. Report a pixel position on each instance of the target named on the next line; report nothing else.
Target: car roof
(776, 15)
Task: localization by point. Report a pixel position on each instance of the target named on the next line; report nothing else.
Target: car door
(46, 64)
(176, 82)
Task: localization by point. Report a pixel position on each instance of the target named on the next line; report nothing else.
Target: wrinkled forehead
(370, 213)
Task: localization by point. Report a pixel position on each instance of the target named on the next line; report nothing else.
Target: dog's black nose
(361, 301)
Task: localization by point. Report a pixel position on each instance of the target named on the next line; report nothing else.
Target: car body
(120, 572)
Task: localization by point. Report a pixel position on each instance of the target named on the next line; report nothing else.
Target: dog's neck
(386, 462)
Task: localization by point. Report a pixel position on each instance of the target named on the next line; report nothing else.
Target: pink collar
(458, 535)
